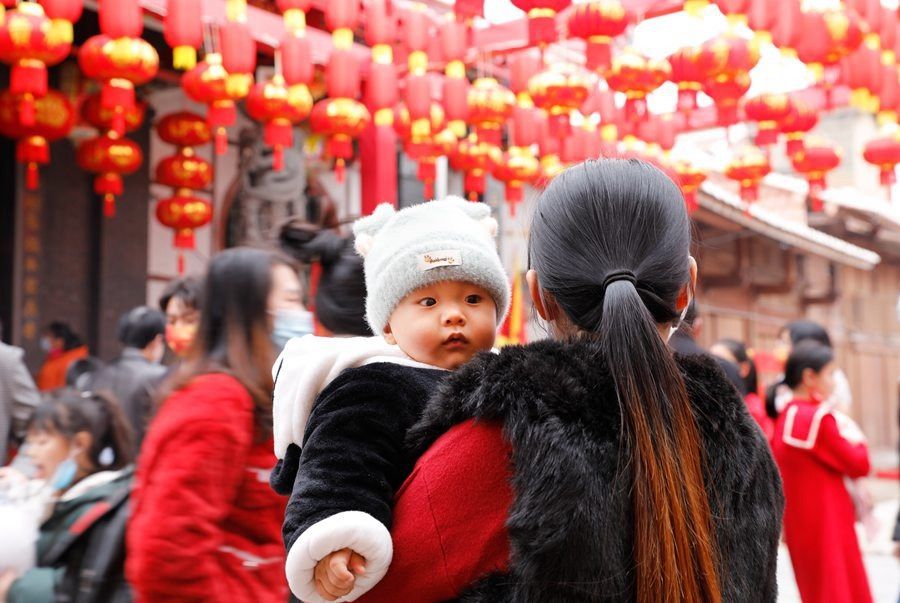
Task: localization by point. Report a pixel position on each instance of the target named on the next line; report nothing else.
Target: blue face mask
(64, 474)
(289, 324)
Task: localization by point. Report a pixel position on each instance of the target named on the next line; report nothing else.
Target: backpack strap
(81, 525)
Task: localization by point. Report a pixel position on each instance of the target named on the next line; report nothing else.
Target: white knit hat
(446, 240)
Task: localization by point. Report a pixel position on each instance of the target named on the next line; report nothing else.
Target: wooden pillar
(378, 167)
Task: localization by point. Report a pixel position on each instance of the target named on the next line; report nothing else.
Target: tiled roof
(728, 204)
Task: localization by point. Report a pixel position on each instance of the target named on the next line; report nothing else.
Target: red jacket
(53, 372)
(205, 524)
(440, 548)
(819, 515)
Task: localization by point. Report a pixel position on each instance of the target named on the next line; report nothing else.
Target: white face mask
(677, 324)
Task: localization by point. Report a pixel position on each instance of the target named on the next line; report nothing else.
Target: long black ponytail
(610, 243)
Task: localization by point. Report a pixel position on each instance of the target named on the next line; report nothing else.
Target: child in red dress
(816, 449)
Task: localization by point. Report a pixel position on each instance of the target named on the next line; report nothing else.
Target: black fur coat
(570, 524)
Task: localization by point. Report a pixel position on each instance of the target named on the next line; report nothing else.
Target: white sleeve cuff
(350, 529)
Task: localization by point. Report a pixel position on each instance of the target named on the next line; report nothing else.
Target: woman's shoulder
(541, 379)
(221, 389)
(207, 398)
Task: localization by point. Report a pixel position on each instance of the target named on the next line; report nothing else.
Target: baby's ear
(366, 228)
(480, 212)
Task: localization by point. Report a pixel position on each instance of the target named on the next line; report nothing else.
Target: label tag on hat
(440, 259)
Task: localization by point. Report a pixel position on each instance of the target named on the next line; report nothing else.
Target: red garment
(445, 539)
(819, 515)
(53, 372)
(757, 408)
(205, 525)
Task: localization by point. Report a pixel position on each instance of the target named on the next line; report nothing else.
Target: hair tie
(619, 275)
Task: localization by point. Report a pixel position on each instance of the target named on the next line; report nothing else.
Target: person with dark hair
(816, 450)
(82, 371)
(340, 300)
(736, 353)
(205, 525)
(80, 444)
(683, 342)
(181, 304)
(63, 347)
(594, 466)
(790, 335)
(18, 398)
(135, 375)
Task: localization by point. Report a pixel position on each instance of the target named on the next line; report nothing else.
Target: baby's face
(444, 324)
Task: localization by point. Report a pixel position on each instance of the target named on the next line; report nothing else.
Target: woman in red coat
(593, 466)
(205, 524)
(815, 450)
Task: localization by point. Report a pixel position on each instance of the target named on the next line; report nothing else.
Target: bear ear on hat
(480, 212)
(366, 228)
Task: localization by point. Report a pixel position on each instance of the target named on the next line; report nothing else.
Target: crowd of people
(254, 442)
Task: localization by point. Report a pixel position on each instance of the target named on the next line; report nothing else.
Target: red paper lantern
(53, 120)
(238, 56)
(121, 64)
(884, 153)
(598, 23)
(762, 15)
(101, 118)
(787, 30)
(728, 55)
(279, 108)
(889, 96)
(768, 111)
(828, 36)
(799, 120)
(541, 19)
(183, 31)
(184, 213)
(688, 74)
(294, 12)
(27, 46)
(207, 83)
(110, 158)
(455, 86)
(636, 76)
(814, 161)
(475, 158)
(689, 178)
(517, 166)
(418, 131)
(184, 129)
(727, 91)
(184, 170)
(381, 91)
(748, 168)
(490, 105)
(559, 90)
(63, 13)
(863, 73)
(121, 18)
(341, 120)
(735, 10)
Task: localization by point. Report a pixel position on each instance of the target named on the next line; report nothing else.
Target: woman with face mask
(816, 451)
(80, 445)
(181, 304)
(205, 525)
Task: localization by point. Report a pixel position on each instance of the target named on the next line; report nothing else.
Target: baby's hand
(336, 573)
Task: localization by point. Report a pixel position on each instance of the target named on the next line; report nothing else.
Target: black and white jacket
(570, 525)
(342, 473)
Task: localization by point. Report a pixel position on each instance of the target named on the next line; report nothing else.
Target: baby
(436, 293)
